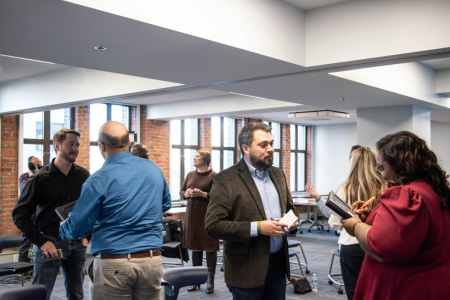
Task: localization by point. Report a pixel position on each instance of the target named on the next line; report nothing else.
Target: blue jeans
(274, 287)
(73, 263)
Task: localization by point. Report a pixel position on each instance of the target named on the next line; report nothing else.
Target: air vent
(320, 115)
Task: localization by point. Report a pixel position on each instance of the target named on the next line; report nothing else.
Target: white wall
(331, 146)
(440, 143)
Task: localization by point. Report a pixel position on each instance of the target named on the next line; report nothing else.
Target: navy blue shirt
(122, 203)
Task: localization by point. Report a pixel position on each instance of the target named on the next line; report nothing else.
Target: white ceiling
(66, 34)
(311, 4)
(438, 64)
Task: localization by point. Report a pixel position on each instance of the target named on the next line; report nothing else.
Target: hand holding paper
(289, 219)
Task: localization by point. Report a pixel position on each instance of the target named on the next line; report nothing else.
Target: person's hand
(293, 226)
(198, 193)
(363, 213)
(310, 190)
(273, 228)
(84, 241)
(49, 249)
(188, 192)
(349, 224)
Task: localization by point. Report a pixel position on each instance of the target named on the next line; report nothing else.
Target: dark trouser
(24, 248)
(274, 288)
(352, 257)
(74, 258)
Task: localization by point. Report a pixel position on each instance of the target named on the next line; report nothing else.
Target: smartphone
(59, 256)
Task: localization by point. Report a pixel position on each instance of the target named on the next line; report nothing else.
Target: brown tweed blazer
(235, 203)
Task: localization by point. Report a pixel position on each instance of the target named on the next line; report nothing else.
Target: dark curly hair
(412, 160)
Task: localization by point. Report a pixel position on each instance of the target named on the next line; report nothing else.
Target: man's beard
(67, 157)
(261, 163)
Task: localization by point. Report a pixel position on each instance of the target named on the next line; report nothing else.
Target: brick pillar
(286, 150)
(238, 130)
(82, 122)
(156, 136)
(9, 161)
(205, 134)
(308, 154)
(250, 120)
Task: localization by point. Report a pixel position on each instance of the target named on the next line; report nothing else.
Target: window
(38, 131)
(276, 135)
(99, 114)
(298, 158)
(223, 140)
(184, 144)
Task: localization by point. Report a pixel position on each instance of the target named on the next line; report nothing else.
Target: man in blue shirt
(247, 201)
(122, 203)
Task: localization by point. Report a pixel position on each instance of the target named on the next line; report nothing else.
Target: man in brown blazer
(246, 203)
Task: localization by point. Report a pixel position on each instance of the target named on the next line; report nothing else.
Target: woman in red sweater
(406, 237)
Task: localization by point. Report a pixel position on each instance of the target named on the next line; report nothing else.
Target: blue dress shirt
(271, 202)
(122, 203)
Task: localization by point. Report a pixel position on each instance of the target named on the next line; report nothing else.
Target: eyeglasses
(380, 169)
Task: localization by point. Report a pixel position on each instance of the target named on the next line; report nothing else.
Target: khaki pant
(137, 279)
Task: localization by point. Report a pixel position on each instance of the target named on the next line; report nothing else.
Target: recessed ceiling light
(100, 49)
(41, 61)
(246, 95)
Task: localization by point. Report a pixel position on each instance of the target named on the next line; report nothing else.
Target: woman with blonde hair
(363, 183)
(196, 188)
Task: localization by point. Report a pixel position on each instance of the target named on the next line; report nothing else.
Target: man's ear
(246, 149)
(57, 146)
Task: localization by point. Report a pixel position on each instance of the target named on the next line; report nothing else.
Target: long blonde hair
(363, 181)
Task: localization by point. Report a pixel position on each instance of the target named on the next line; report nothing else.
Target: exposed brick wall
(9, 173)
(250, 120)
(82, 123)
(205, 134)
(238, 130)
(156, 136)
(286, 150)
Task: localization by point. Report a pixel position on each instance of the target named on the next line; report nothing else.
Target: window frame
(296, 151)
(47, 140)
(182, 146)
(222, 148)
(108, 118)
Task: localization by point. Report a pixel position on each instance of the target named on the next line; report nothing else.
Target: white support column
(375, 123)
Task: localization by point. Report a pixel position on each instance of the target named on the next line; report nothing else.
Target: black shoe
(193, 288)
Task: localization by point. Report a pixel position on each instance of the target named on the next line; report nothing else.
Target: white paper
(289, 219)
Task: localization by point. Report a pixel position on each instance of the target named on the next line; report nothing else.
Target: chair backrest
(180, 277)
(35, 292)
(10, 241)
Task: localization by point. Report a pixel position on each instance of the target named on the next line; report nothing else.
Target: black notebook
(338, 206)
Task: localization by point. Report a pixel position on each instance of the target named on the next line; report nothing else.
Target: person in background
(195, 188)
(139, 150)
(246, 204)
(406, 237)
(34, 165)
(122, 203)
(363, 182)
(56, 184)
